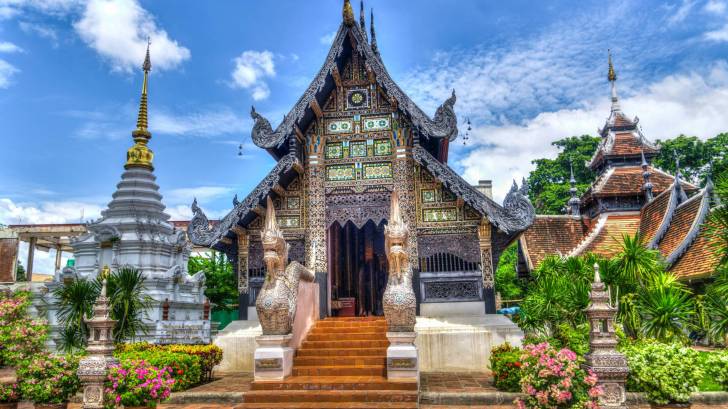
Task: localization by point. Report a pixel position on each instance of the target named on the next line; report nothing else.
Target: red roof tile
(628, 181)
(680, 224)
(652, 215)
(552, 235)
(608, 240)
(701, 258)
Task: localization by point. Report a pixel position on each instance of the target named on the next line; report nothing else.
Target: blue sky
(525, 72)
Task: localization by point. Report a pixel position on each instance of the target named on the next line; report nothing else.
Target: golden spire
(611, 76)
(348, 13)
(139, 154)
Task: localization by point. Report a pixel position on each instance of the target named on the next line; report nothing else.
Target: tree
(507, 282)
(695, 156)
(222, 289)
(74, 301)
(20, 273)
(549, 182)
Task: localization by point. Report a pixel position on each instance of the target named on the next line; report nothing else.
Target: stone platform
(453, 344)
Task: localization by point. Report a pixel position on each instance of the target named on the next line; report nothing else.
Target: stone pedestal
(273, 357)
(402, 358)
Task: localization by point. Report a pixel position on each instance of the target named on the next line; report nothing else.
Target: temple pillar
(315, 239)
(486, 265)
(404, 181)
(242, 273)
(31, 255)
(59, 255)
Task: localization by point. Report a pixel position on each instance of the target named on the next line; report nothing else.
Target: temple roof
(629, 181)
(551, 235)
(605, 237)
(350, 38)
(699, 258)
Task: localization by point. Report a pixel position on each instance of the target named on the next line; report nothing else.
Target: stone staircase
(341, 364)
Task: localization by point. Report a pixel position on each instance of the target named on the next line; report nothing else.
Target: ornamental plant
(505, 363)
(48, 378)
(667, 373)
(184, 369)
(9, 392)
(135, 382)
(20, 335)
(552, 378)
(210, 355)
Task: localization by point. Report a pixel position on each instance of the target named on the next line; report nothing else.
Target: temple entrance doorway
(357, 268)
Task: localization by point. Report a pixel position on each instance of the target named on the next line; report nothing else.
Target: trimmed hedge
(186, 369)
(209, 355)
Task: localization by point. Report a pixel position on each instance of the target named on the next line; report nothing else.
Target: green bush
(20, 335)
(667, 373)
(716, 367)
(506, 367)
(186, 369)
(49, 378)
(574, 338)
(210, 355)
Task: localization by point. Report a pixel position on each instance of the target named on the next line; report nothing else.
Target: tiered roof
(669, 220)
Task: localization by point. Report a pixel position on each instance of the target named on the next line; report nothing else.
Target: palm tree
(665, 308)
(635, 263)
(129, 303)
(74, 301)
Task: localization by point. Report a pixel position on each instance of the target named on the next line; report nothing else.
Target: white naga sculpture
(276, 303)
(399, 297)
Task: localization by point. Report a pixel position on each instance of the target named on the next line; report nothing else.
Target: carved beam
(298, 168)
(239, 230)
(226, 240)
(279, 189)
(299, 134)
(316, 108)
(337, 76)
(259, 210)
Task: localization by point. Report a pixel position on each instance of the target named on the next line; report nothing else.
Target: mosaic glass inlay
(289, 221)
(382, 123)
(357, 98)
(380, 170)
(293, 202)
(448, 196)
(382, 147)
(358, 149)
(440, 215)
(340, 172)
(339, 126)
(334, 151)
(428, 196)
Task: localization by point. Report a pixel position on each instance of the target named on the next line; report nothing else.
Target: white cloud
(7, 47)
(7, 71)
(692, 103)
(46, 212)
(715, 6)
(118, 31)
(327, 39)
(720, 35)
(202, 123)
(40, 30)
(251, 68)
(682, 12)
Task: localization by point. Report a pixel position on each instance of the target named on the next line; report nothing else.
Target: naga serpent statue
(399, 297)
(276, 303)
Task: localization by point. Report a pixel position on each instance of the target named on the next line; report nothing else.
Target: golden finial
(348, 13)
(105, 272)
(140, 154)
(612, 76)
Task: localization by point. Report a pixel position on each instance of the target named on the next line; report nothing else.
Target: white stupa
(135, 231)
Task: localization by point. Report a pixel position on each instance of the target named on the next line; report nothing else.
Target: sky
(526, 74)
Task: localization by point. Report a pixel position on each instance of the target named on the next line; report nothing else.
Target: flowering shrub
(20, 335)
(210, 355)
(135, 382)
(553, 379)
(9, 392)
(667, 373)
(505, 363)
(49, 378)
(185, 369)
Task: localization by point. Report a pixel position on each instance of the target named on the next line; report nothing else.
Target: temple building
(134, 231)
(628, 196)
(352, 139)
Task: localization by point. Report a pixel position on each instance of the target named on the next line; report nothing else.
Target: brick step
(329, 405)
(342, 352)
(346, 337)
(350, 370)
(346, 329)
(359, 383)
(370, 318)
(303, 361)
(330, 396)
(345, 344)
(336, 325)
